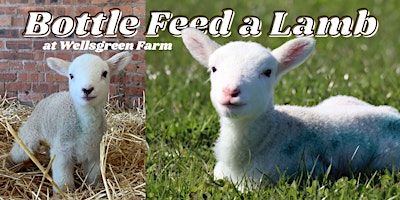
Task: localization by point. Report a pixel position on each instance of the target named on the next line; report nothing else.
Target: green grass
(182, 124)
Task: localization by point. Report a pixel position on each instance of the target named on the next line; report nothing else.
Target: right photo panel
(272, 99)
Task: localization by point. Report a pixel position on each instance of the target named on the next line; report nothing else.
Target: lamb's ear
(292, 53)
(119, 61)
(199, 45)
(59, 65)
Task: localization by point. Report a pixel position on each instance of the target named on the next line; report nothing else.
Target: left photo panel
(72, 99)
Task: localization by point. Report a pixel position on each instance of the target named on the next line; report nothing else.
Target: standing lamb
(259, 142)
(73, 122)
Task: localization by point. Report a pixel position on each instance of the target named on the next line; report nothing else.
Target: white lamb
(72, 123)
(260, 142)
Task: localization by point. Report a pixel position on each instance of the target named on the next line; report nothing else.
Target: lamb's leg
(219, 171)
(63, 170)
(31, 139)
(243, 183)
(91, 169)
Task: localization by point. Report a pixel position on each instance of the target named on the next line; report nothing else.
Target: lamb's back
(369, 136)
(54, 119)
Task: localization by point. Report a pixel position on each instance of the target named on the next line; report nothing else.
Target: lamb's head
(243, 74)
(89, 76)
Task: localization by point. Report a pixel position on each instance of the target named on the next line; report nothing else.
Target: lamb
(72, 123)
(260, 142)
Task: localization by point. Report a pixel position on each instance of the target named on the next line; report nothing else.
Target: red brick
(9, 33)
(52, 77)
(125, 10)
(105, 55)
(138, 79)
(22, 77)
(28, 55)
(113, 89)
(19, 44)
(30, 77)
(119, 79)
(4, 65)
(71, 2)
(16, 65)
(44, 87)
(77, 54)
(2, 90)
(5, 20)
(136, 91)
(24, 56)
(92, 10)
(1, 44)
(38, 45)
(60, 11)
(42, 66)
(141, 67)
(100, 1)
(17, 1)
(139, 56)
(24, 10)
(130, 67)
(30, 66)
(7, 77)
(39, 55)
(17, 86)
(62, 55)
(18, 21)
(14, 55)
(63, 87)
(8, 10)
(139, 10)
(6, 55)
(56, 11)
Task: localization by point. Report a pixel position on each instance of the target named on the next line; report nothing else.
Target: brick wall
(24, 73)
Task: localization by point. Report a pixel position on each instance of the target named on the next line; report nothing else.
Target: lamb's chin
(232, 110)
(87, 101)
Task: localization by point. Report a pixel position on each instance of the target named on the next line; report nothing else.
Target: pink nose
(231, 93)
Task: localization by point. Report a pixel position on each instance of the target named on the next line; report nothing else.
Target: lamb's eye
(213, 69)
(104, 74)
(267, 72)
(71, 76)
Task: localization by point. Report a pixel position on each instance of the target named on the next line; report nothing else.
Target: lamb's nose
(231, 93)
(87, 91)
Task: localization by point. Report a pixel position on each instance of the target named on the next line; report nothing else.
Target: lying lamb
(73, 122)
(259, 142)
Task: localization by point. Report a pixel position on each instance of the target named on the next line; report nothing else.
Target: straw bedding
(122, 155)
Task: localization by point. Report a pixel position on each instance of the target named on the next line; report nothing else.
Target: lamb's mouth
(233, 105)
(88, 98)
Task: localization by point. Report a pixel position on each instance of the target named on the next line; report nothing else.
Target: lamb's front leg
(219, 171)
(242, 182)
(63, 171)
